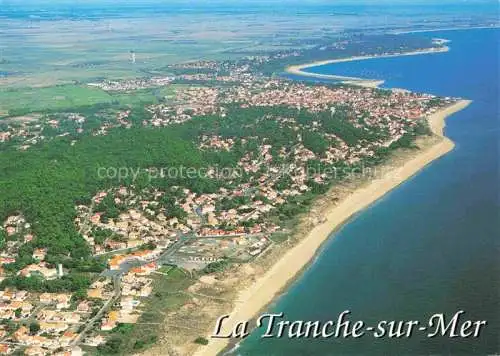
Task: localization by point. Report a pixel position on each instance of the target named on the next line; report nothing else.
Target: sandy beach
(301, 69)
(258, 295)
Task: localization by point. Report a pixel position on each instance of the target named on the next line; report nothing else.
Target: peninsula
(301, 69)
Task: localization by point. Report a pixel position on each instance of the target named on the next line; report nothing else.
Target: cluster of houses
(243, 65)
(145, 221)
(130, 229)
(42, 269)
(394, 109)
(23, 130)
(316, 98)
(233, 222)
(16, 231)
(59, 317)
(24, 134)
(134, 285)
(141, 256)
(133, 84)
(194, 66)
(26, 131)
(211, 77)
(188, 102)
(51, 323)
(205, 250)
(45, 323)
(215, 143)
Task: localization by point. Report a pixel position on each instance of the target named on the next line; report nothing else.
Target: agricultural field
(24, 100)
(21, 101)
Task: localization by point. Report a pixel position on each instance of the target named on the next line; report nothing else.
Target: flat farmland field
(13, 101)
(20, 101)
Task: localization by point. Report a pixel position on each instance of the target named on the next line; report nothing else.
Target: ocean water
(430, 246)
(63, 9)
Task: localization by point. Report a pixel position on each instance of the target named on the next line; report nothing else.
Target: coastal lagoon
(431, 245)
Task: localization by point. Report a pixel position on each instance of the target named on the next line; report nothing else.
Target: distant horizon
(45, 7)
(251, 2)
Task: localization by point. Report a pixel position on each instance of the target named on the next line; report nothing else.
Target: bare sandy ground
(301, 69)
(259, 294)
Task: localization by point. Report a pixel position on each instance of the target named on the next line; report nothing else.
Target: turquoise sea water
(430, 246)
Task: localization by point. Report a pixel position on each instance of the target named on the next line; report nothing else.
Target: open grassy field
(19, 101)
(22, 100)
(145, 95)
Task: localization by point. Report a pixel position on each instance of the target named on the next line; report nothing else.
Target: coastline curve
(300, 69)
(264, 290)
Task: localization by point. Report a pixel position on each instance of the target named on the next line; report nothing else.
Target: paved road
(116, 275)
(174, 247)
(90, 324)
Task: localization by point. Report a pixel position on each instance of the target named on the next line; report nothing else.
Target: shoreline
(484, 27)
(275, 280)
(365, 82)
